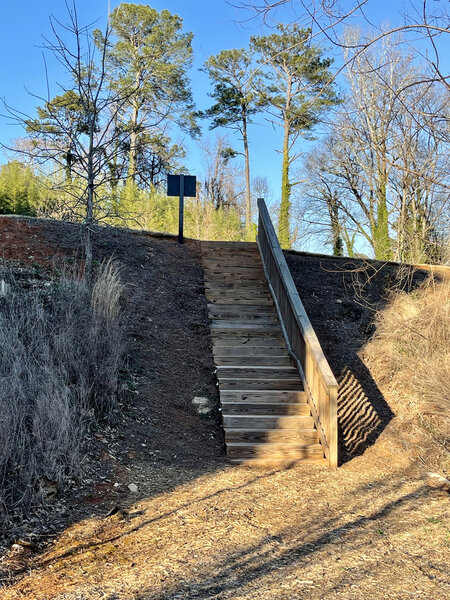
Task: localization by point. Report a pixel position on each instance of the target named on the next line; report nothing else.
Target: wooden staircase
(265, 413)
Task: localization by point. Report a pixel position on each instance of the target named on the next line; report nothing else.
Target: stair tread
(268, 462)
(260, 408)
(289, 417)
(287, 369)
(315, 446)
(255, 422)
(270, 429)
(268, 361)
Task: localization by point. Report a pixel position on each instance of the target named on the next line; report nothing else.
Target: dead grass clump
(107, 292)
(61, 349)
(411, 350)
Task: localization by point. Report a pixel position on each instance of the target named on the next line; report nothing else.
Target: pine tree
(148, 57)
(297, 90)
(235, 103)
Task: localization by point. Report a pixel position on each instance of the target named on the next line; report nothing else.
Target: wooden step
(243, 350)
(248, 361)
(249, 317)
(274, 436)
(277, 463)
(227, 252)
(230, 311)
(269, 396)
(244, 309)
(241, 384)
(267, 422)
(235, 260)
(264, 324)
(229, 246)
(229, 293)
(238, 296)
(252, 288)
(238, 275)
(272, 451)
(278, 409)
(248, 288)
(239, 300)
(254, 340)
(259, 372)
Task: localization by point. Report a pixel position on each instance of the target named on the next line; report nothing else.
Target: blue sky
(216, 25)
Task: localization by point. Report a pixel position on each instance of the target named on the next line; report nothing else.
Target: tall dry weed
(411, 350)
(61, 350)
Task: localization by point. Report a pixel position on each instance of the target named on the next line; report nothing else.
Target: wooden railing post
(318, 380)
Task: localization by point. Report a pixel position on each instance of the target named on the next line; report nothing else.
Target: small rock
(200, 401)
(133, 488)
(438, 481)
(4, 289)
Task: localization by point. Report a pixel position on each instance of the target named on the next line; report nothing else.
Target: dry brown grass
(411, 351)
(107, 292)
(61, 348)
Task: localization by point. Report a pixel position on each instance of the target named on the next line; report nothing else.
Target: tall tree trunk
(402, 235)
(382, 241)
(333, 210)
(89, 220)
(248, 198)
(133, 144)
(284, 235)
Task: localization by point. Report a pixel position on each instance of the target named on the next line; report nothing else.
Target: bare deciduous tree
(75, 136)
(385, 161)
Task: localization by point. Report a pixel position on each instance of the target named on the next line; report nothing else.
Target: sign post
(181, 186)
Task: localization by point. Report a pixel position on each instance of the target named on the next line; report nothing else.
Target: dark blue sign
(189, 185)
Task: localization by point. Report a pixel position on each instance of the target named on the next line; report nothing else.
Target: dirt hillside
(194, 526)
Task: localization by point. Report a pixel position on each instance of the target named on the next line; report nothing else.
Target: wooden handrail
(304, 347)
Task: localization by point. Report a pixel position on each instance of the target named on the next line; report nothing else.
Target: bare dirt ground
(198, 527)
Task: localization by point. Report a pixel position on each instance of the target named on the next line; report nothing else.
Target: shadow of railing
(342, 298)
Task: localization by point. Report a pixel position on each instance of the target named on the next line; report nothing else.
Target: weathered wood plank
(241, 257)
(228, 246)
(280, 436)
(233, 310)
(241, 287)
(230, 262)
(258, 325)
(261, 372)
(269, 396)
(241, 361)
(232, 298)
(242, 293)
(255, 340)
(274, 451)
(266, 422)
(251, 352)
(239, 316)
(256, 463)
(260, 384)
(264, 408)
(237, 276)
